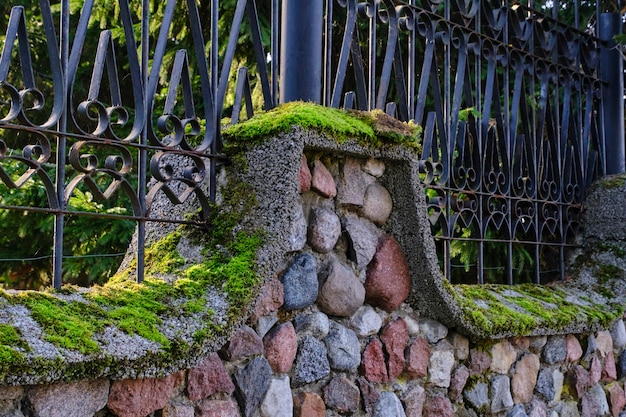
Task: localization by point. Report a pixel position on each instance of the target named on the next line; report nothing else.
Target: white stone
(433, 330)
(278, 401)
(374, 167)
(503, 355)
(440, 367)
(604, 343)
(366, 321)
(377, 204)
(557, 377)
(412, 325)
(388, 405)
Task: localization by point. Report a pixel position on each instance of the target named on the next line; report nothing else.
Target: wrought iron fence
(509, 97)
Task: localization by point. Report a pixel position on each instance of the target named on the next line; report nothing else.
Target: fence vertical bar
(301, 50)
(612, 75)
(143, 153)
(64, 48)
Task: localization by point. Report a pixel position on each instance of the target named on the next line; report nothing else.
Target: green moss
(612, 182)
(10, 341)
(371, 128)
(69, 325)
(493, 310)
(605, 273)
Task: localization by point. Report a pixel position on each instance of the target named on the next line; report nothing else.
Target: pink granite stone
(308, 404)
(243, 343)
(574, 350)
(281, 346)
(617, 399)
(437, 406)
(208, 378)
(395, 337)
(304, 178)
(140, 397)
(218, 408)
(417, 358)
(609, 371)
(388, 280)
(373, 362)
(270, 299)
(322, 180)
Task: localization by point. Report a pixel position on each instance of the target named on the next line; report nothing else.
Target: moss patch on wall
(74, 319)
(530, 309)
(373, 128)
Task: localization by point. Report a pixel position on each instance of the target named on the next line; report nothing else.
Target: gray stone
(567, 408)
(537, 409)
(75, 399)
(591, 348)
(545, 384)
(300, 283)
(440, 365)
(362, 236)
(501, 399)
(311, 362)
(618, 333)
(377, 204)
(433, 330)
(388, 405)
(344, 350)
(517, 411)
(598, 397)
(296, 231)
(264, 324)
(11, 393)
(537, 343)
(460, 344)
(341, 395)
(462, 412)
(11, 411)
(477, 395)
(374, 167)
(324, 230)
(341, 293)
(252, 383)
(621, 365)
(173, 410)
(366, 321)
(555, 350)
(312, 324)
(278, 401)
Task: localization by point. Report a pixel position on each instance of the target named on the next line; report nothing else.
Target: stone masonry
(332, 335)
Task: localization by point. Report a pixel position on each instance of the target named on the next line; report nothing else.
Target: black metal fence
(515, 102)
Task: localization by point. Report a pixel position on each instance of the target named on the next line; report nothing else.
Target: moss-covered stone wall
(201, 285)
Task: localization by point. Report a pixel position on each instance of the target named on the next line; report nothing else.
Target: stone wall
(339, 326)
(374, 362)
